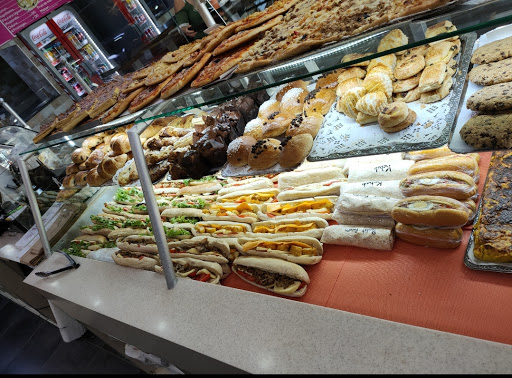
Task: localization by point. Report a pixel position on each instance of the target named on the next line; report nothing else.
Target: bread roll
(72, 168)
(69, 181)
(239, 149)
(102, 173)
(81, 178)
(309, 123)
(320, 100)
(451, 184)
(267, 108)
(329, 80)
(120, 144)
(276, 124)
(295, 149)
(92, 141)
(254, 128)
(393, 114)
(265, 153)
(110, 165)
(294, 84)
(429, 154)
(458, 162)
(94, 179)
(292, 102)
(94, 158)
(80, 155)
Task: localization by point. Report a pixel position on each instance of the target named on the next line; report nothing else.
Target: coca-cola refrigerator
(66, 46)
(138, 15)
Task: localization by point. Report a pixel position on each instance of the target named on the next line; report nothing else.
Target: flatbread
(123, 102)
(258, 18)
(147, 96)
(184, 77)
(161, 73)
(244, 36)
(220, 65)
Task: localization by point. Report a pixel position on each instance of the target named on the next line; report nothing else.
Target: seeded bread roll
(295, 149)
(294, 84)
(265, 153)
(239, 149)
(309, 123)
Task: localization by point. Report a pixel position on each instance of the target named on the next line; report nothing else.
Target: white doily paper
(341, 136)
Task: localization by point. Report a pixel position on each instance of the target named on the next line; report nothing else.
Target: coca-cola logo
(66, 17)
(39, 35)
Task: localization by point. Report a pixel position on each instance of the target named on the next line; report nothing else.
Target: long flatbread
(380, 238)
(184, 77)
(244, 36)
(147, 96)
(255, 19)
(123, 102)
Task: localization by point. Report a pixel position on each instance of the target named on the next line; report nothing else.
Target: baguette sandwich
(311, 226)
(321, 207)
(433, 211)
(129, 196)
(202, 248)
(243, 212)
(197, 270)
(461, 163)
(275, 275)
(255, 183)
(429, 236)
(221, 229)
(204, 188)
(250, 196)
(294, 179)
(138, 260)
(324, 188)
(303, 250)
(451, 184)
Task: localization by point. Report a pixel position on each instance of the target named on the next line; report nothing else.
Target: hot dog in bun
(275, 275)
(433, 211)
(429, 236)
(310, 226)
(303, 250)
(451, 184)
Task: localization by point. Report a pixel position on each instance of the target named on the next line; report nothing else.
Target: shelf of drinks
(308, 66)
(52, 39)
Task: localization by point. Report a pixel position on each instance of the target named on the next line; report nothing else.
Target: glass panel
(466, 18)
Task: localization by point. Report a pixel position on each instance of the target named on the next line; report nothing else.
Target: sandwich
(250, 196)
(429, 236)
(202, 248)
(221, 229)
(293, 179)
(136, 260)
(97, 229)
(129, 196)
(311, 226)
(146, 243)
(243, 212)
(110, 220)
(324, 188)
(255, 183)
(432, 211)
(458, 162)
(321, 207)
(176, 215)
(83, 244)
(137, 211)
(370, 237)
(387, 188)
(186, 202)
(275, 275)
(204, 188)
(451, 184)
(361, 204)
(198, 270)
(161, 193)
(303, 250)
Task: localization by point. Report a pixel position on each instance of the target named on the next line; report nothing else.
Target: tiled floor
(31, 345)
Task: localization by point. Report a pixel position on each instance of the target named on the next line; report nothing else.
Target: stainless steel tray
(342, 137)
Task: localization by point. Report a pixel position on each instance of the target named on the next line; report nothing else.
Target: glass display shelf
(466, 16)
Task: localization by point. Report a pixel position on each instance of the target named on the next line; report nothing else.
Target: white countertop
(253, 332)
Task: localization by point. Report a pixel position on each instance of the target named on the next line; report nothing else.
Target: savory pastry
(378, 82)
(393, 114)
(440, 28)
(347, 103)
(80, 155)
(395, 38)
(409, 66)
(344, 86)
(372, 103)
(352, 72)
(432, 77)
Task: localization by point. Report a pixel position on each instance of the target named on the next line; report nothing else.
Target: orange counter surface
(426, 287)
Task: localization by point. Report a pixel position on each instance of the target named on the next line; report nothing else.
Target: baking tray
(342, 137)
(469, 258)
(456, 143)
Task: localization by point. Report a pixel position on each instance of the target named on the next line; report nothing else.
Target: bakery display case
(342, 242)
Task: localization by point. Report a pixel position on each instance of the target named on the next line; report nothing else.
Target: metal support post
(14, 114)
(34, 208)
(149, 195)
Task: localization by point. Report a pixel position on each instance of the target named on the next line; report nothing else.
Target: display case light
(91, 41)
